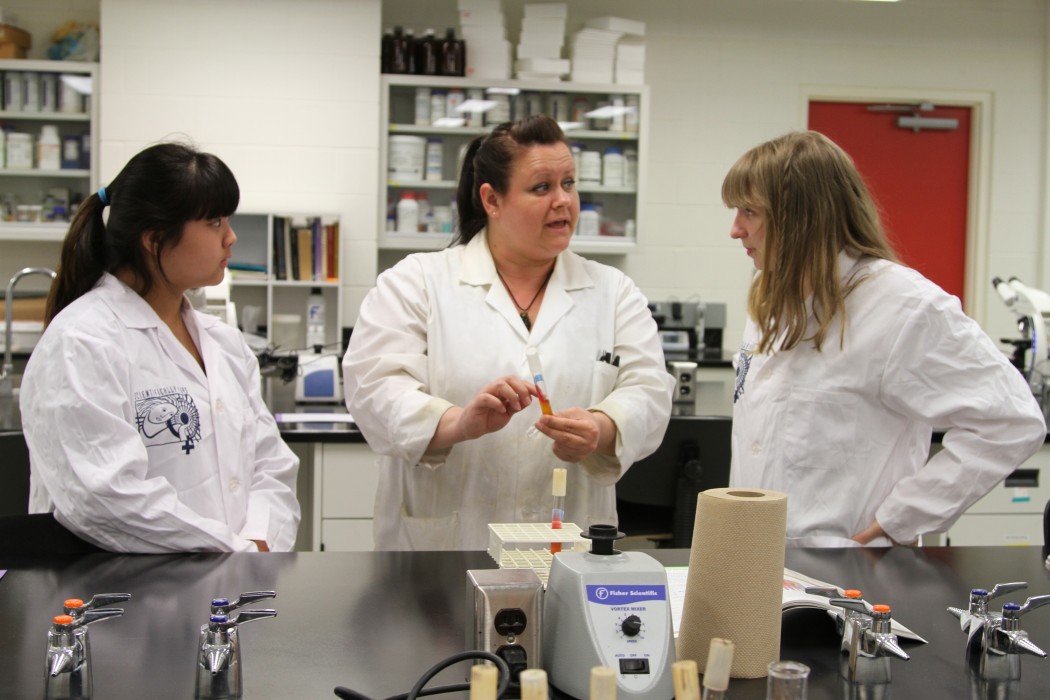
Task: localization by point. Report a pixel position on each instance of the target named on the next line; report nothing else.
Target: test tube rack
(527, 545)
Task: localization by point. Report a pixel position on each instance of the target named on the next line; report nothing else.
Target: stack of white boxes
(484, 30)
(542, 37)
(596, 53)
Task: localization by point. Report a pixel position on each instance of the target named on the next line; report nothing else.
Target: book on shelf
(794, 598)
(247, 271)
(306, 249)
(280, 248)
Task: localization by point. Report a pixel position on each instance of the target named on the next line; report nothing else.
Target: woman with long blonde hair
(850, 360)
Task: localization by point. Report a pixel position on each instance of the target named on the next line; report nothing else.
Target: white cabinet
(625, 131)
(346, 476)
(257, 280)
(1012, 512)
(76, 126)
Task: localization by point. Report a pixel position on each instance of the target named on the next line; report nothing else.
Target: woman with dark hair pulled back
(144, 418)
(437, 377)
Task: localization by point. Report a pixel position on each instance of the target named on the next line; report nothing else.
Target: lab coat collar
(127, 305)
(133, 310)
(478, 268)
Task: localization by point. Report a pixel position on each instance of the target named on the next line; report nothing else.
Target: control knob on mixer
(631, 625)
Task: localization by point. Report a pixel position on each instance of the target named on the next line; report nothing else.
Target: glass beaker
(787, 680)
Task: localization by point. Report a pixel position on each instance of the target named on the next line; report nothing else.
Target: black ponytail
(83, 257)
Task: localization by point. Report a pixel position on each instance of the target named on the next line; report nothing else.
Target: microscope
(1031, 350)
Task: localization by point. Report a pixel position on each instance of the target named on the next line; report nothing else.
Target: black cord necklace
(524, 311)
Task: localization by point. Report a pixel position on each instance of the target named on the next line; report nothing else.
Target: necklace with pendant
(523, 311)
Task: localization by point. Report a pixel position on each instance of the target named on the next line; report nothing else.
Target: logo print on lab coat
(168, 418)
(743, 364)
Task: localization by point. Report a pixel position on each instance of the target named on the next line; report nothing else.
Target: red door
(920, 181)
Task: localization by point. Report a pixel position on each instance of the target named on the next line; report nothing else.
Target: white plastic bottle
(315, 319)
(408, 214)
(49, 148)
(589, 223)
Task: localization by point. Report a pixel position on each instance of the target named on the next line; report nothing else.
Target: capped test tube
(533, 357)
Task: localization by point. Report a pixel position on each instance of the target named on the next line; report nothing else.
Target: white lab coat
(135, 449)
(845, 432)
(438, 327)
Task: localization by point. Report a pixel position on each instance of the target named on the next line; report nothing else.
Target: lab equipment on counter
(843, 623)
(1032, 349)
(505, 617)
(219, 659)
(527, 545)
(872, 642)
(688, 329)
(994, 642)
(68, 662)
(608, 608)
(319, 379)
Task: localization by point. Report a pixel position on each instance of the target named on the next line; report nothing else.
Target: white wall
(287, 93)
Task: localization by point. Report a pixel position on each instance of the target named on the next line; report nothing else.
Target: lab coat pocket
(425, 534)
(603, 381)
(819, 429)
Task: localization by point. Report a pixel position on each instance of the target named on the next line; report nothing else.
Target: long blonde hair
(814, 205)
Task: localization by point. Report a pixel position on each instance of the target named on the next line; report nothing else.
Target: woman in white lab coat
(144, 419)
(850, 360)
(436, 372)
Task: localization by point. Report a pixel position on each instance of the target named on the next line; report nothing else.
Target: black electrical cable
(418, 691)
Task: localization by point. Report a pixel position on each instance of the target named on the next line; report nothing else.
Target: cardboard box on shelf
(12, 51)
(16, 36)
(24, 309)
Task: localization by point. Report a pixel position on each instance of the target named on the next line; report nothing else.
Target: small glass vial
(589, 223)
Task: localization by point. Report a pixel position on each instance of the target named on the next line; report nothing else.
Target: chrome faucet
(872, 642)
(68, 663)
(994, 648)
(849, 616)
(219, 647)
(977, 617)
(8, 370)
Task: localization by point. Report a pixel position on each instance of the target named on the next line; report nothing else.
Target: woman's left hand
(575, 432)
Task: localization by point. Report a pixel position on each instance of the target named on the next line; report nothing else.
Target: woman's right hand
(493, 407)
(490, 410)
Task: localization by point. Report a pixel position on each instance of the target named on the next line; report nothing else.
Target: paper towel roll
(736, 578)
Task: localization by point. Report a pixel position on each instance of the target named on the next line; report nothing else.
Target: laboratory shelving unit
(398, 117)
(256, 247)
(30, 186)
